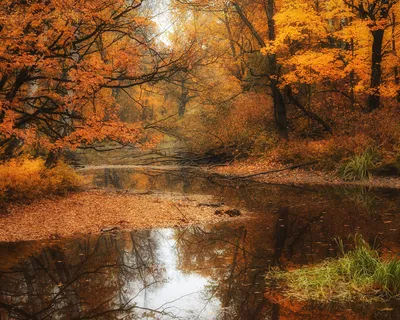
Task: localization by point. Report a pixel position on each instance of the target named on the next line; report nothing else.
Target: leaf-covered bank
(275, 173)
(94, 211)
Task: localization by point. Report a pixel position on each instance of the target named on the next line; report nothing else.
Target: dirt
(94, 212)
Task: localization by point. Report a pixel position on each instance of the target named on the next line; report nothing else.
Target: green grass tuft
(358, 167)
(359, 275)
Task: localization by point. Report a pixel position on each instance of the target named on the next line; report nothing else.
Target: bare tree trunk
(279, 111)
(238, 71)
(183, 99)
(352, 79)
(279, 102)
(396, 68)
(376, 70)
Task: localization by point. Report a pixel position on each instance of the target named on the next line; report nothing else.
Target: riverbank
(279, 174)
(94, 212)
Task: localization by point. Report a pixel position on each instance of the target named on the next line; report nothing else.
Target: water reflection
(209, 272)
(80, 279)
(214, 272)
(317, 213)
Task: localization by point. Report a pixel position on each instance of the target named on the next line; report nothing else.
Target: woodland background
(278, 81)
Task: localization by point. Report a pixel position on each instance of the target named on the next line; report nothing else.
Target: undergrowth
(358, 275)
(359, 166)
(27, 179)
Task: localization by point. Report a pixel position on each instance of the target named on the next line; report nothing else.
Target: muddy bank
(299, 176)
(93, 212)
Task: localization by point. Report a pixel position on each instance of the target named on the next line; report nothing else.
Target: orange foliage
(27, 179)
(59, 63)
(323, 71)
(74, 73)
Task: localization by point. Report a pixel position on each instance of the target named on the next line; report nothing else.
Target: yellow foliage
(313, 67)
(298, 21)
(29, 178)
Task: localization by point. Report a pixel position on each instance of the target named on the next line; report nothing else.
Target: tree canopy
(243, 73)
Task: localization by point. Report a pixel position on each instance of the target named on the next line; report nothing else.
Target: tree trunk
(279, 111)
(52, 158)
(238, 72)
(279, 102)
(352, 78)
(396, 68)
(376, 70)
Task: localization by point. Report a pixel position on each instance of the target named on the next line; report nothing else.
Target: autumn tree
(377, 13)
(60, 61)
(250, 27)
(273, 69)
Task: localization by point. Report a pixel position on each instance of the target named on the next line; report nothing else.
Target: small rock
(218, 212)
(233, 212)
(110, 229)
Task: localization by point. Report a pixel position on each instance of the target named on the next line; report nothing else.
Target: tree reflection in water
(236, 258)
(212, 272)
(84, 279)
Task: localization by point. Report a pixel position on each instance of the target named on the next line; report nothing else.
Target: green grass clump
(359, 275)
(358, 167)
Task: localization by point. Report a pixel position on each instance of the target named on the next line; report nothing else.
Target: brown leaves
(89, 212)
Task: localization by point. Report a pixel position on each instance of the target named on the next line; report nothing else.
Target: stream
(199, 272)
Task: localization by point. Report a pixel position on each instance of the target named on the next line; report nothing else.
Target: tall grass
(359, 166)
(359, 275)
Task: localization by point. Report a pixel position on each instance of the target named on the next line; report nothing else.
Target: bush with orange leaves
(351, 136)
(27, 179)
(328, 152)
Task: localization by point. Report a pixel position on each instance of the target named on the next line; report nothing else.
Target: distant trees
(320, 62)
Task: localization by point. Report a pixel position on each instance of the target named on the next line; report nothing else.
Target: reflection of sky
(183, 295)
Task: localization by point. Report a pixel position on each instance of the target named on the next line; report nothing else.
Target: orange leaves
(58, 59)
(331, 41)
(7, 126)
(98, 130)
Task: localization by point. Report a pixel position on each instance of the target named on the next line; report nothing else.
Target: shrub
(24, 179)
(242, 123)
(328, 152)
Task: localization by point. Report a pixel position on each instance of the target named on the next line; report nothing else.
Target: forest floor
(94, 212)
(271, 173)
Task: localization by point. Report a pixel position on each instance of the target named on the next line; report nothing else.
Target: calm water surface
(199, 272)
